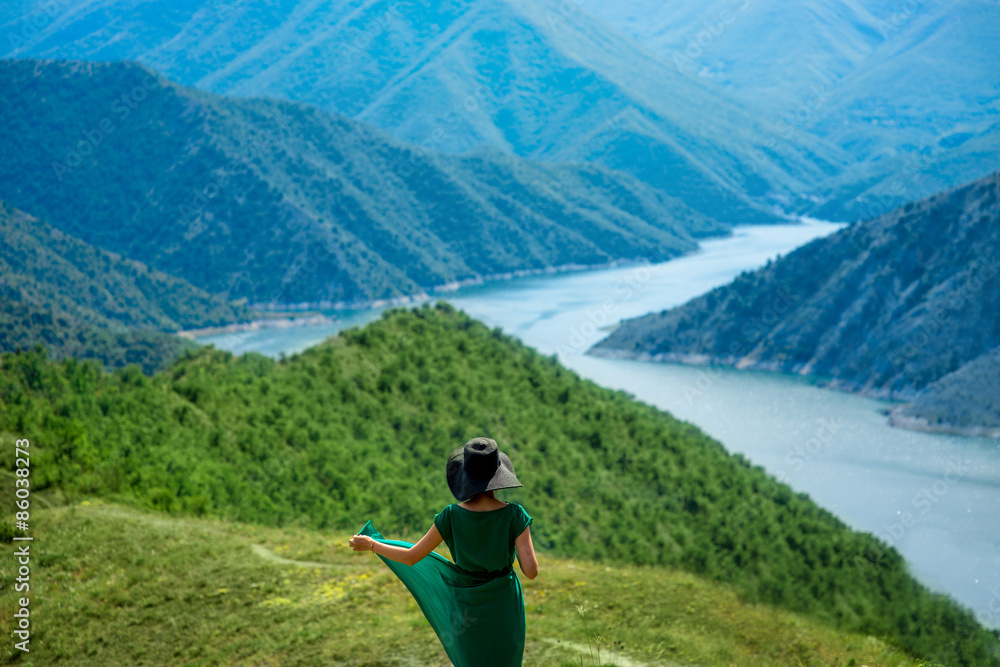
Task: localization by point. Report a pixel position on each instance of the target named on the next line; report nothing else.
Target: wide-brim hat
(479, 466)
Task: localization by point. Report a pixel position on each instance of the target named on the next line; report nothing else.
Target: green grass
(113, 585)
(360, 426)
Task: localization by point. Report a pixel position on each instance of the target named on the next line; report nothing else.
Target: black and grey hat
(479, 466)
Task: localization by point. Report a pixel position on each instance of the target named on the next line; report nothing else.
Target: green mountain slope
(964, 401)
(358, 427)
(900, 87)
(536, 78)
(82, 301)
(177, 591)
(282, 203)
(885, 307)
(49, 267)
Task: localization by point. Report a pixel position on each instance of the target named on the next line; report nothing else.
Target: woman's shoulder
(445, 511)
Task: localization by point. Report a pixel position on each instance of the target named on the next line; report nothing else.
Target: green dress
(475, 604)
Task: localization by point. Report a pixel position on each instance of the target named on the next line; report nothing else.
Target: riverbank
(257, 325)
(277, 315)
(898, 418)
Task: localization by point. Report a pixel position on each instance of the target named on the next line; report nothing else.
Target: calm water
(936, 498)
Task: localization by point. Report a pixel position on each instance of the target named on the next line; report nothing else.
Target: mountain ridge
(847, 76)
(82, 301)
(889, 308)
(281, 203)
(531, 78)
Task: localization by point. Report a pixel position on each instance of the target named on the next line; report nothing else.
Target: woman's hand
(361, 543)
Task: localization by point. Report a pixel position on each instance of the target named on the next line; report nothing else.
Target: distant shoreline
(292, 318)
(899, 419)
(255, 325)
(895, 415)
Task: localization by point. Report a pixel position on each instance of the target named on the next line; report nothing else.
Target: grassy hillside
(885, 307)
(359, 427)
(123, 587)
(535, 78)
(82, 301)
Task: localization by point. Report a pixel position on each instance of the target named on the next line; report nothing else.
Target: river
(934, 497)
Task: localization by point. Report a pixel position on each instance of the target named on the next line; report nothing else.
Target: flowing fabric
(475, 605)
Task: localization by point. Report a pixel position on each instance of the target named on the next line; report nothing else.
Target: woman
(475, 604)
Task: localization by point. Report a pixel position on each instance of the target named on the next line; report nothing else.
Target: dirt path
(608, 657)
(267, 554)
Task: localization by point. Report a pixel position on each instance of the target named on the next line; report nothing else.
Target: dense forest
(888, 307)
(359, 428)
(84, 302)
(512, 74)
(281, 203)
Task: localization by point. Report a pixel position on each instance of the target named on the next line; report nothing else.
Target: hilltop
(359, 426)
(903, 306)
(121, 586)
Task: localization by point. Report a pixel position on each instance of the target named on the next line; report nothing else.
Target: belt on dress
(483, 577)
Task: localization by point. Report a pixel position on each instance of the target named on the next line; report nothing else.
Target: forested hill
(82, 301)
(280, 202)
(534, 78)
(359, 426)
(965, 401)
(887, 307)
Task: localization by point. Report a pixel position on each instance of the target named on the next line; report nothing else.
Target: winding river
(936, 498)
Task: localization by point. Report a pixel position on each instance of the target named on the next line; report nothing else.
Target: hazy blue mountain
(84, 302)
(536, 78)
(910, 90)
(741, 44)
(903, 306)
(280, 202)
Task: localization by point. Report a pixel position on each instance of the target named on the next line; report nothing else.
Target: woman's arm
(405, 555)
(526, 554)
